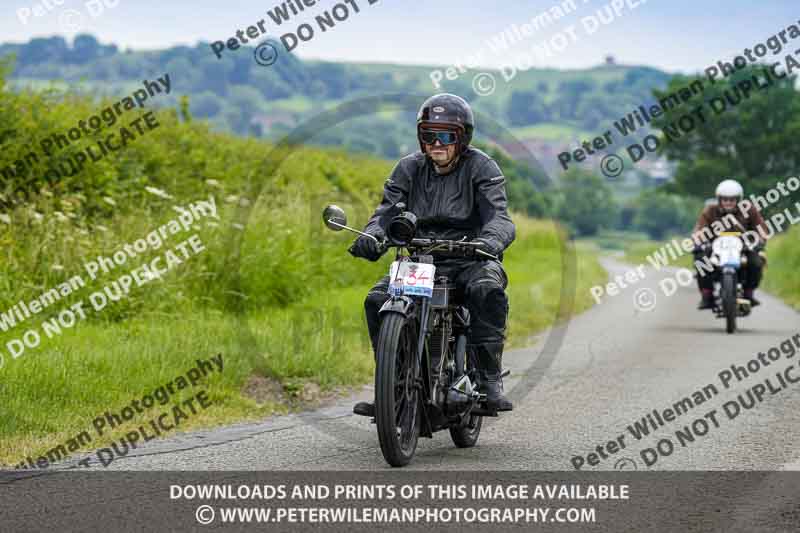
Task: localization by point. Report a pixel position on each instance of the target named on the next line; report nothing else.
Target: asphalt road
(618, 362)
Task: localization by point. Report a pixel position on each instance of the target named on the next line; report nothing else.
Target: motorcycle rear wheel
(466, 436)
(729, 305)
(397, 405)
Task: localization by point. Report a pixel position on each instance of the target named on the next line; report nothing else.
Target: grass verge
(48, 397)
(782, 275)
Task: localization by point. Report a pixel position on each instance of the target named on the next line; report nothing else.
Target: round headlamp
(403, 227)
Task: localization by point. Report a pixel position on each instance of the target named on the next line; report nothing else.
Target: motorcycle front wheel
(396, 389)
(729, 305)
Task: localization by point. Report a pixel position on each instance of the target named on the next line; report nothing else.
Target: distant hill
(237, 94)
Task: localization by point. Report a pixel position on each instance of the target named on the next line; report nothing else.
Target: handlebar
(431, 245)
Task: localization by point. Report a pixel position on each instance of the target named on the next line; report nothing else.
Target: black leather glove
(368, 248)
(701, 249)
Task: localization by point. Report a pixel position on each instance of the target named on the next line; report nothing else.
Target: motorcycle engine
(459, 395)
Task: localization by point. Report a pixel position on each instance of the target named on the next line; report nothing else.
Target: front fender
(398, 304)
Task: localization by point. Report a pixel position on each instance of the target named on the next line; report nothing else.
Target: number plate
(414, 279)
(729, 250)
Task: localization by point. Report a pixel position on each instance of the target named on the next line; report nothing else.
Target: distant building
(268, 122)
(662, 171)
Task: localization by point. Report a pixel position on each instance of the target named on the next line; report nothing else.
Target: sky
(673, 35)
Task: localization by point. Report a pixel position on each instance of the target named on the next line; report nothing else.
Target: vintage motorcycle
(730, 260)
(424, 381)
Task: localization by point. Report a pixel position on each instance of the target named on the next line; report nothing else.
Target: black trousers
(751, 275)
(483, 285)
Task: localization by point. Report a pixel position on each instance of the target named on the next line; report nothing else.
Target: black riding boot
(364, 409)
(490, 362)
(367, 408)
(706, 299)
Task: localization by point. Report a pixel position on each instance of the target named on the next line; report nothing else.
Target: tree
(570, 94)
(660, 214)
(753, 141)
(523, 194)
(271, 86)
(181, 68)
(43, 50)
(205, 105)
(588, 203)
(525, 108)
(85, 48)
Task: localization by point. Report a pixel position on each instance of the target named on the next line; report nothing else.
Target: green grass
(535, 267)
(613, 240)
(636, 252)
(782, 275)
(318, 335)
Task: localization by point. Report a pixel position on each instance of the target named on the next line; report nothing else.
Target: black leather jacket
(469, 201)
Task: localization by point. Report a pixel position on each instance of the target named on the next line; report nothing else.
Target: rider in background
(455, 191)
(729, 193)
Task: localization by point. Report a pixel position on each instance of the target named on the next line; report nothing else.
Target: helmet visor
(443, 136)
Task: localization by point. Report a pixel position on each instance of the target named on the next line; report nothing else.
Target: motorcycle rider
(455, 190)
(729, 193)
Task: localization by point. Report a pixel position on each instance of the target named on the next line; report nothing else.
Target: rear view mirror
(334, 217)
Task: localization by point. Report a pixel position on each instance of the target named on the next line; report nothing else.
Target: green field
(549, 132)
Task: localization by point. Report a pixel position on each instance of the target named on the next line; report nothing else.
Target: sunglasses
(443, 136)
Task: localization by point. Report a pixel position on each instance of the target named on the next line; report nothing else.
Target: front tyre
(396, 389)
(729, 305)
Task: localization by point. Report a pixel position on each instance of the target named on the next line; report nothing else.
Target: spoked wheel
(466, 435)
(729, 304)
(396, 390)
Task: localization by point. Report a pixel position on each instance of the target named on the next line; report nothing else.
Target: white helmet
(730, 188)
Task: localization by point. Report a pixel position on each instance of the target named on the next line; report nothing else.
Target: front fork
(424, 312)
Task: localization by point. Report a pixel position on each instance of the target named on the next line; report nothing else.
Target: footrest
(480, 411)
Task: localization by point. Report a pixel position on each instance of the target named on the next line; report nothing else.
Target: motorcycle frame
(419, 308)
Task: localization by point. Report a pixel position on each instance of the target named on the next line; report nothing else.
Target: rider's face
(728, 203)
(442, 155)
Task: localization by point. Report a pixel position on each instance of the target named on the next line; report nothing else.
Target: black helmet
(448, 110)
